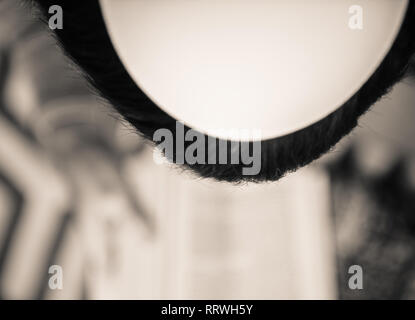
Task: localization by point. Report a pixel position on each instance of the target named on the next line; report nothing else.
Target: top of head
(273, 66)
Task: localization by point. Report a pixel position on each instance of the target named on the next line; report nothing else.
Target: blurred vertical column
(220, 241)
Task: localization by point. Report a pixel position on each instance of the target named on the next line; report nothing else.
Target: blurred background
(81, 190)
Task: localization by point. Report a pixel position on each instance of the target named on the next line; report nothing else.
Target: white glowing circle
(276, 66)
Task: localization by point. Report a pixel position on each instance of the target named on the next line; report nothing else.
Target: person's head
(85, 38)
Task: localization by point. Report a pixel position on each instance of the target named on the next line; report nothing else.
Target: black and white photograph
(207, 150)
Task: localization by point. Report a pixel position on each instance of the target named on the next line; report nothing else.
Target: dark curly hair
(85, 39)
